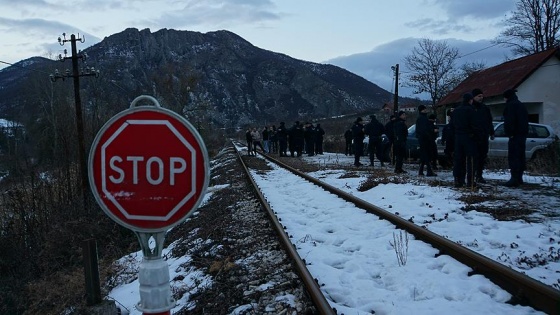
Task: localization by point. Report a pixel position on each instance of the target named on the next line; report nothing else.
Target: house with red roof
(535, 77)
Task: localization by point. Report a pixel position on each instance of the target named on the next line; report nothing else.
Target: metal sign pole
(153, 276)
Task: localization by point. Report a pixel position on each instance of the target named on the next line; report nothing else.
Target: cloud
(439, 27)
(375, 66)
(476, 9)
(221, 14)
(43, 34)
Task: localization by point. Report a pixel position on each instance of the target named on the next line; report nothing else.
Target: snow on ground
(353, 253)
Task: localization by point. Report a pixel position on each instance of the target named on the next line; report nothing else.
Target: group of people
(466, 138)
(395, 130)
(471, 128)
(298, 139)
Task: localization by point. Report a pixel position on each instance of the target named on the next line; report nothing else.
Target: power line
(474, 52)
(11, 64)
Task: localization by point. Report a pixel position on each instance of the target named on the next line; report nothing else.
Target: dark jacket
(463, 120)
(516, 118)
(483, 120)
(358, 133)
(296, 132)
(374, 129)
(390, 131)
(400, 131)
(282, 132)
(319, 132)
(424, 127)
(348, 135)
(248, 136)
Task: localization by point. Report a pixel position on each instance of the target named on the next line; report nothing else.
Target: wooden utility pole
(396, 96)
(76, 74)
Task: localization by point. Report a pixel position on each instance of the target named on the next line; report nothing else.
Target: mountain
(215, 77)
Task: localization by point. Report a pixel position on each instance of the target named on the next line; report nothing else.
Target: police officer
(309, 137)
(485, 130)
(425, 135)
(375, 129)
(358, 135)
(348, 142)
(516, 127)
(390, 133)
(319, 135)
(296, 139)
(464, 154)
(400, 136)
(282, 135)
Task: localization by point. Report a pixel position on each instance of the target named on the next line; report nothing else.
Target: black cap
(400, 113)
(358, 119)
(421, 108)
(510, 93)
(476, 92)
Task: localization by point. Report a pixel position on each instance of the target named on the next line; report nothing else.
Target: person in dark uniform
(309, 137)
(464, 156)
(390, 133)
(433, 145)
(516, 127)
(448, 139)
(265, 139)
(483, 119)
(296, 139)
(358, 136)
(319, 134)
(425, 135)
(399, 144)
(348, 138)
(249, 139)
(375, 129)
(282, 135)
(273, 139)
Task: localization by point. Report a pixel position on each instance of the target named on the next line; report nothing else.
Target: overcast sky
(363, 36)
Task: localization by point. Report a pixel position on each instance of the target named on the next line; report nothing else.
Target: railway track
(523, 289)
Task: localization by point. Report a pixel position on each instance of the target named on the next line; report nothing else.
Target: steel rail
(310, 283)
(524, 290)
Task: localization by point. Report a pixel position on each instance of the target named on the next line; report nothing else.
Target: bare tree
(432, 68)
(533, 27)
(469, 68)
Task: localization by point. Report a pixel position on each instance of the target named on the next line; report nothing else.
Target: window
(540, 131)
(499, 132)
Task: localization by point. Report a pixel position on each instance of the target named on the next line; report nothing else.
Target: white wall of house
(540, 93)
(543, 87)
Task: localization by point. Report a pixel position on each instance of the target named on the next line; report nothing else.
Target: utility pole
(395, 68)
(76, 74)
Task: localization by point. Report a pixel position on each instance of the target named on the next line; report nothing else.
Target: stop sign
(148, 168)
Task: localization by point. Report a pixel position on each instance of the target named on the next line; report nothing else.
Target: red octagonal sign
(148, 168)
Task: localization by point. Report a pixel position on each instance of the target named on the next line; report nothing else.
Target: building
(535, 77)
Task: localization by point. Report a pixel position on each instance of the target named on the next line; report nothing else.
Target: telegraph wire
(474, 52)
(12, 64)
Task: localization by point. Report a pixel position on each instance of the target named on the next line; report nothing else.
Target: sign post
(148, 170)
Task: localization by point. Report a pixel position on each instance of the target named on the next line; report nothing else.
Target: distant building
(536, 78)
(409, 108)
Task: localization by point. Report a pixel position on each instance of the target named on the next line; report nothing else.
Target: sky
(366, 37)
(350, 251)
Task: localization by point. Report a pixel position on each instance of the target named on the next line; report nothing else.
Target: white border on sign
(104, 173)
